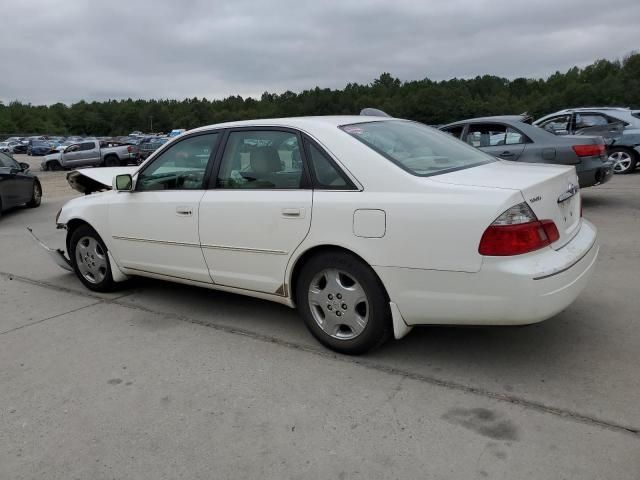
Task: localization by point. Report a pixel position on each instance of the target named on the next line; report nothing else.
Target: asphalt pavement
(168, 381)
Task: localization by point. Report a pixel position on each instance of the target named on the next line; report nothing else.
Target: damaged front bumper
(56, 254)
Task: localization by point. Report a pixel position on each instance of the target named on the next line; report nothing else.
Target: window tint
(455, 131)
(416, 148)
(87, 146)
(325, 173)
(261, 159)
(181, 167)
(486, 135)
(557, 125)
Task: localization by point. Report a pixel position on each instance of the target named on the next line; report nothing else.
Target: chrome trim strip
(244, 249)
(568, 267)
(148, 240)
(213, 247)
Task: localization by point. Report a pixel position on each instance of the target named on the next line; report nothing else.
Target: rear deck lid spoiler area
(89, 180)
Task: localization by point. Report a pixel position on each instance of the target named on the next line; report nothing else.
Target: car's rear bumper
(506, 291)
(595, 174)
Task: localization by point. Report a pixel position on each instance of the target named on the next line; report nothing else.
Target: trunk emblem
(570, 192)
(535, 199)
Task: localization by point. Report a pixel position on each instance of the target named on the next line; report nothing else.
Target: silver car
(620, 128)
(508, 138)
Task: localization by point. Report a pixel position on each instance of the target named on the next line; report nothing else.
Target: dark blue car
(38, 147)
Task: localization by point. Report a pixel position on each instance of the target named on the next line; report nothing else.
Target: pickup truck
(91, 153)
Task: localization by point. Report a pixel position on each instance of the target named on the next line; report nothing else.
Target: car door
(155, 227)
(258, 211)
(496, 139)
(18, 185)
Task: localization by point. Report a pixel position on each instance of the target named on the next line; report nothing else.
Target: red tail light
(129, 149)
(593, 150)
(517, 231)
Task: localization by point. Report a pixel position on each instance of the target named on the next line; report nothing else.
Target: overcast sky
(68, 50)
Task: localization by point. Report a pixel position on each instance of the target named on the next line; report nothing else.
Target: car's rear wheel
(90, 260)
(343, 303)
(36, 195)
(624, 160)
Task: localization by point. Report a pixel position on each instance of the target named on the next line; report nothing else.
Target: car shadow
(488, 349)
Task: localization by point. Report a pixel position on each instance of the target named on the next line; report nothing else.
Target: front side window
(262, 159)
(181, 167)
(418, 149)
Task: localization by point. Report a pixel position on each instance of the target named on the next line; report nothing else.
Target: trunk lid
(551, 191)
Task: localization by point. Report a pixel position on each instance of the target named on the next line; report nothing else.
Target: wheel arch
(311, 252)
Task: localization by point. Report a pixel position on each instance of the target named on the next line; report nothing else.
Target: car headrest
(265, 160)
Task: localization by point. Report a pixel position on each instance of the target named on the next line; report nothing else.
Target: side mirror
(123, 183)
(25, 166)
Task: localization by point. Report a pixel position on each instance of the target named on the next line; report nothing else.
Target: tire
(111, 161)
(54, 166)
(36, 195)
(343, 303)
(625, 160)
(89, 259)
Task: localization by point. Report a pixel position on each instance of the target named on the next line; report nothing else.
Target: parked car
(383, 225)
(19, 147)
(510, 139)
(6, 147)
(175, 132)
(91, 153)
(147, 148)
(38, 147)
(17, 185)
(620, 128)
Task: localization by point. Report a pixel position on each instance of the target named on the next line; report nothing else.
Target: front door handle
(293, 212)
(184, 211)
(506, 154)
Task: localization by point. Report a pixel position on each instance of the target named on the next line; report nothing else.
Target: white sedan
(368, 225)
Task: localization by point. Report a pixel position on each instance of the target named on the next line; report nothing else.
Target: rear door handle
(184, 211)
(293, 212)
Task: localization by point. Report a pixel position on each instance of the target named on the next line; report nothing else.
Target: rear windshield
(418, 149)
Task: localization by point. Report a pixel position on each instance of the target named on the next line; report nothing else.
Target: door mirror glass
(123, 183)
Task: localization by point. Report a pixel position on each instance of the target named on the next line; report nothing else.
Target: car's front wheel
(624, 160)
(36, 195)
(343, 303)
(88, 255)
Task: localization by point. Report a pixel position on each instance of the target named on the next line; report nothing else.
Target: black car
(17, 185)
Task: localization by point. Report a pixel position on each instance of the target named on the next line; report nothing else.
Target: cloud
(72, 50)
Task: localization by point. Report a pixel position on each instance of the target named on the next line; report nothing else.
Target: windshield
(416, 148)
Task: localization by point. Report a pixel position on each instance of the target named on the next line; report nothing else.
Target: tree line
(605, 82)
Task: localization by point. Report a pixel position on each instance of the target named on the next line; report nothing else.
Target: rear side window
(87, 146)
(261, 159)
(416, 148)
(326, 174)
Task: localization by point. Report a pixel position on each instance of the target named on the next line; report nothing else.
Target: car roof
(300, 122)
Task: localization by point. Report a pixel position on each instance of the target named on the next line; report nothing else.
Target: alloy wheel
(338, 304)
